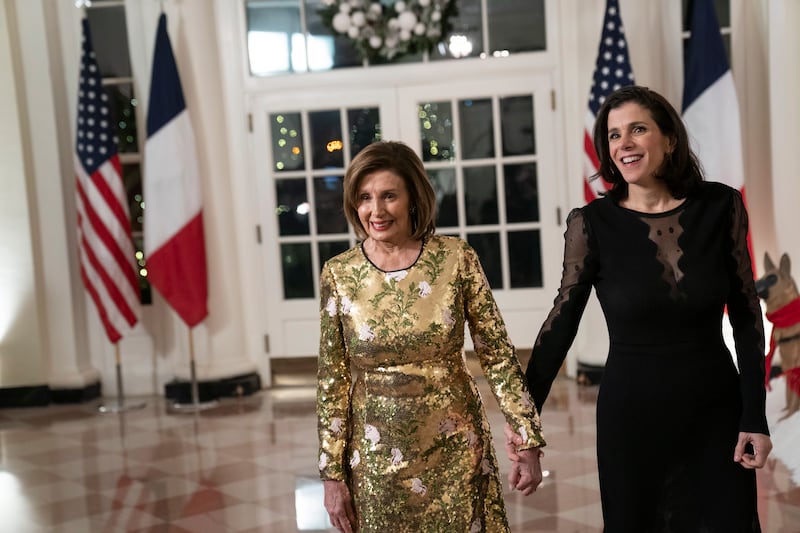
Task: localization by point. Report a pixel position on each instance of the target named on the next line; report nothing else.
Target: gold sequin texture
(399, 417)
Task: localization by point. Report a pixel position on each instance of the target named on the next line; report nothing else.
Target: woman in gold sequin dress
(404, 440)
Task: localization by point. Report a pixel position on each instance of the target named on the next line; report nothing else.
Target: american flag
(612, 71)
(107, 256)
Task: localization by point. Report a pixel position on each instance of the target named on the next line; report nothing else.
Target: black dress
(671, 402)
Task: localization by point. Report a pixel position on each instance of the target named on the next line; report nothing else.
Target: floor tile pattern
(249, 466)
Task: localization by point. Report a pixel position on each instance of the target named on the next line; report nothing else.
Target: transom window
(289, 36)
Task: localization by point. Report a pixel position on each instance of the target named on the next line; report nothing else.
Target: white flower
(341, 21)
(372, 434)
(407, 20)
(419, 29)
(393, 23)
(478, 342)
(527, 401)
(523, 433)
(486, 466)
(448, 425)
(347, 305)
(476, 527)
(355, 459)
(405, 35)
(330, 307)
(417, 487)
(447, 318)
(375, 41)
(400, 6)
(397, 456)
(424, 289)
(436, 16)
(353, 32)
(331, 2)
(323, 461)
(424, 3)
(365, 333)
(359, 19)
(398, 275)
(336, 426)
(345, 7)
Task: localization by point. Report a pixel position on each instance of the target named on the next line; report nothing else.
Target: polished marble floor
(249, 465)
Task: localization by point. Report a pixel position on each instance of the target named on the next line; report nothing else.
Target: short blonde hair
(400, 159)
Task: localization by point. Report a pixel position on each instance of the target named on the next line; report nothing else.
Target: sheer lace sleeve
(744, 312)
(561, 325)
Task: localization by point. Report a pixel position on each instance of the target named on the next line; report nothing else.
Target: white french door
(489, 148)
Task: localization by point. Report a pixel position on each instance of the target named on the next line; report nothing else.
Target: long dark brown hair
(681, 171)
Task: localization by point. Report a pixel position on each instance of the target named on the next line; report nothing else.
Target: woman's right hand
(526, 474)
(512, 441)
(339, 505)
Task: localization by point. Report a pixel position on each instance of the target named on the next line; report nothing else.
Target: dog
(779, 291)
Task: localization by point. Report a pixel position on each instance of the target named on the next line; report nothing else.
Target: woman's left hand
(762, 445)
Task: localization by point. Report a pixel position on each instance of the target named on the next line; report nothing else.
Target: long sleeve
(744, 312)
(559, 329)
(496, 353)
(333, 383)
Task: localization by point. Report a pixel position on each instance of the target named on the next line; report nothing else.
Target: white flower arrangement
(389, 30)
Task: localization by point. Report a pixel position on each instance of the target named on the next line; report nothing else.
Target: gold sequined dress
(399, 417)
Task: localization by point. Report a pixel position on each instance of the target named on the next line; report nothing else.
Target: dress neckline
(669, 212)
(416, 259)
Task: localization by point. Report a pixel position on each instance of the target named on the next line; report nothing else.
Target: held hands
(339, 505)
(762, 445)
(526, 470)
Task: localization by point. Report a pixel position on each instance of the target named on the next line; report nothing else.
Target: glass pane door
(310, 151)
(495, 182)
(302, 146)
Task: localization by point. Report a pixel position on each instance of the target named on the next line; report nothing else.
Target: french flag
(173, 216)
(710, 107)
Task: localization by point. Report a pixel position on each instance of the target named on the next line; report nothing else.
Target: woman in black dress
(679, 429)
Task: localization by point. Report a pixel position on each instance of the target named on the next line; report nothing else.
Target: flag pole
(196, 405)
(120, 406)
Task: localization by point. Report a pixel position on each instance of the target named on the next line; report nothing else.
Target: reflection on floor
(250, 466)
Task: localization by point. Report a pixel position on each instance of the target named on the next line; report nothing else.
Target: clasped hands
(526, 469)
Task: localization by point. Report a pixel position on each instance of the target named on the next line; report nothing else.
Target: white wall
(784, 80)
(21, 354)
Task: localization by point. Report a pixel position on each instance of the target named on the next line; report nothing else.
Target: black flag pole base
(120, 407)
(196, 405)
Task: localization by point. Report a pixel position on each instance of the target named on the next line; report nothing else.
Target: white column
(784, 77)
(50, 179)
(21, 341)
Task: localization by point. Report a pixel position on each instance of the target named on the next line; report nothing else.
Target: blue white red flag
(612, 71)
(710, 106)
(174, 239)
(106, 252)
